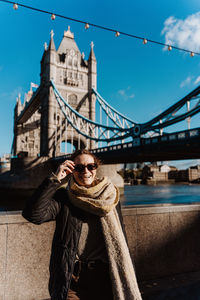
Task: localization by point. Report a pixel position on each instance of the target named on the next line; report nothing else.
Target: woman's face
(85, 177)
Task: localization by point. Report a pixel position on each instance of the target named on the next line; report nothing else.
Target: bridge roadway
(174, 146)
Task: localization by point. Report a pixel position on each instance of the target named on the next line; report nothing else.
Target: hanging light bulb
(87, 26)
(191, 54)
(15, 6)
(169, 48)
(144, 41)
(117, 34)
(53, 17)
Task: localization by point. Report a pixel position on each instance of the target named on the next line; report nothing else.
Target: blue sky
(138, 80)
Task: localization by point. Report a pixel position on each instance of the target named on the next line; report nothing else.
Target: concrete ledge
(165, 208)
(11, 217)
(163, 240)
(24, 258)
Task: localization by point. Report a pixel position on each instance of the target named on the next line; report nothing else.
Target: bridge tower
(74, 77)
(26, 134)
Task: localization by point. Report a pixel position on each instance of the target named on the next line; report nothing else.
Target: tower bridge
(66, 107)
(39, 124)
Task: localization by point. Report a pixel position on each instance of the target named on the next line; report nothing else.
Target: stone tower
(26, 135)
(74, 77)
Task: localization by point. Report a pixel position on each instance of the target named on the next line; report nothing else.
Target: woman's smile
(86, 177)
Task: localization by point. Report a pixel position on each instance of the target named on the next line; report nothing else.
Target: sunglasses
(81, 168)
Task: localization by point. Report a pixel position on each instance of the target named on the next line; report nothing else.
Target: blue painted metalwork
(169, 115)
(125, 127)
(174, 146)
(78, 121)
(113, 114)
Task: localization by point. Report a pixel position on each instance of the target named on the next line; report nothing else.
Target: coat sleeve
(45, 203)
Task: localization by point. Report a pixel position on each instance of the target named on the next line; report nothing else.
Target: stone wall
(24, 258)
(163, 240)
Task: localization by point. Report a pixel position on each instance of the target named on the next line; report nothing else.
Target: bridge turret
(52, 57)
(43, 64)
(18, 106)
(52, 46)
(48, 62)
(17, 128)
(28, 96)
(92, 69)
(92, 84)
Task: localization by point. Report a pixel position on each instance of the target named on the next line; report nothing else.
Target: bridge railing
(137, 142)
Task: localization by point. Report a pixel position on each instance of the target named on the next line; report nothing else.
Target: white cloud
(197, 80)
(16, 92)
(12, 94)
(185, 82)
(183, 33)
(185, 164)
(126, 94)
(121, 92)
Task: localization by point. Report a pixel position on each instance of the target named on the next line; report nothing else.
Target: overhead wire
(88, 24)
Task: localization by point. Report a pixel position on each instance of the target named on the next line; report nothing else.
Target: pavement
(179, 287)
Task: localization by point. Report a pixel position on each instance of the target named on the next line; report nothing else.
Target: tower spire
(68, 33)
(52, 44)
(92, 55)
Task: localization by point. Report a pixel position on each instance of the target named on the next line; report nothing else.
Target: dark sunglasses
(81, 168)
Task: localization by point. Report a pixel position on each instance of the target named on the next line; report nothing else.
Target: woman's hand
(65, 169)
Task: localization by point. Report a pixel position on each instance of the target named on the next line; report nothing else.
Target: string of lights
(88, 24)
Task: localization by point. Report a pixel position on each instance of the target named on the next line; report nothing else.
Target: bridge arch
(68, 145)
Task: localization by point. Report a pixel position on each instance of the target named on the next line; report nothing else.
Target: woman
(90, 258)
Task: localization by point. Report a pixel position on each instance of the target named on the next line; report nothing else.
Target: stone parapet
(24, 258)
(163, 240)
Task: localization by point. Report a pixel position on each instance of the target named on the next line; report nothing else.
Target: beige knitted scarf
(101, 200)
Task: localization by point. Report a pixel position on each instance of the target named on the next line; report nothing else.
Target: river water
(161, 194)
(133, 195)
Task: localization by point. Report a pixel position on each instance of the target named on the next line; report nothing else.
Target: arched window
(69, 61)
(67, 147)
(72, 99)
(75, 62)
(62, 57)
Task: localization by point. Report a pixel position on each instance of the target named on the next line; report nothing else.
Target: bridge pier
(27, 173)
(111, 172)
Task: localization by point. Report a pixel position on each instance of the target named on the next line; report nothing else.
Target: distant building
(164, 169)
(5, 163)
(194, 172)
(197, 167)
(188, 175)
(173, 168)
(157, 173)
